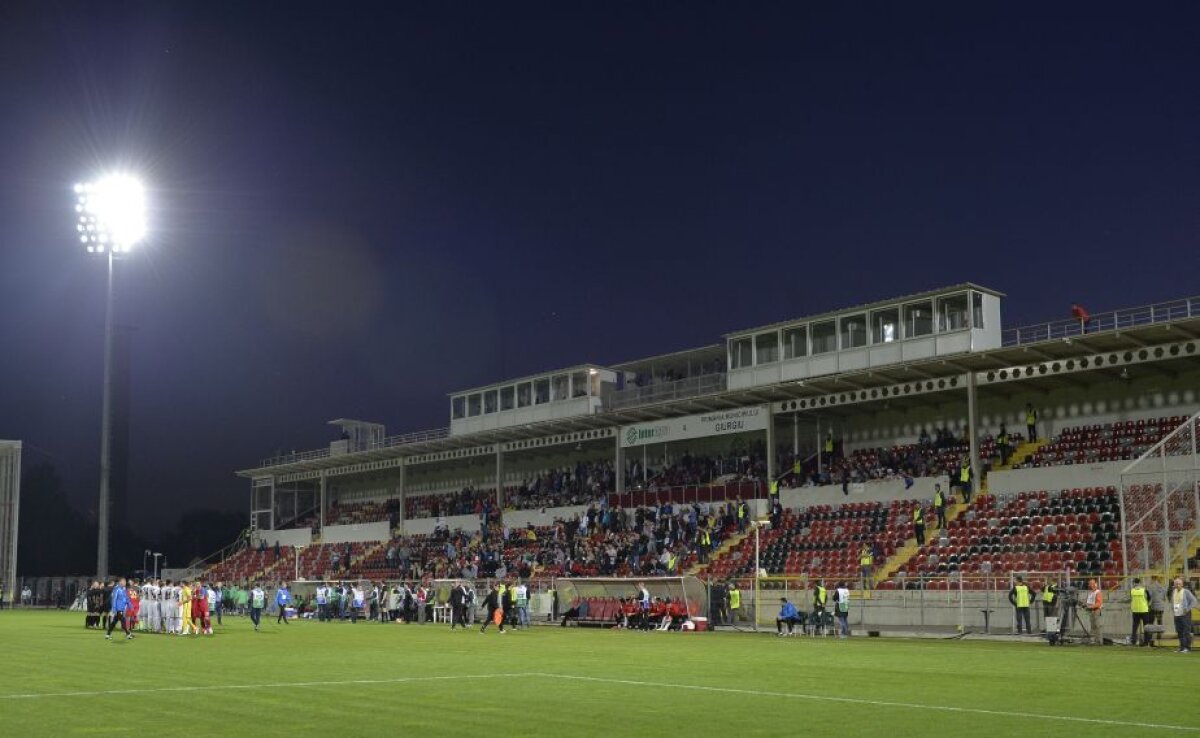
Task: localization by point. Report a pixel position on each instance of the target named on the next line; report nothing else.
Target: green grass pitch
(337, 679)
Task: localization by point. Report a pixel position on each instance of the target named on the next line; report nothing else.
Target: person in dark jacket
(492, 603)
(458, 610)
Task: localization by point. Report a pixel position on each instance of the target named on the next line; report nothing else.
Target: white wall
(882, 491)
(425, 526)
(285, 537)
(1054, 478)
(377, 531)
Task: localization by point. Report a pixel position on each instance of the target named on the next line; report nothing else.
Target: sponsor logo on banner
(740, 420)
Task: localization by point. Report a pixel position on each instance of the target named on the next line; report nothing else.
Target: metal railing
(389, 442)
(1162, 312)
(680, 389)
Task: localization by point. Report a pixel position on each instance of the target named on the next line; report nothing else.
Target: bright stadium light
(111, 220)
(112, 213)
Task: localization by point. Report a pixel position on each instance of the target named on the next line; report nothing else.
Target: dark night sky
(360, 207)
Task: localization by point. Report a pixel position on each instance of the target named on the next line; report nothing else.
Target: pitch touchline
(271, 685)
(875, 703)
(603, 680)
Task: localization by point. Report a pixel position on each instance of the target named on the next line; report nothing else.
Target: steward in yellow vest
(1021, 597)
(1139, 608)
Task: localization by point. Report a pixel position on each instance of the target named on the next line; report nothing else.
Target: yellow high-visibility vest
(965, 474)
(735, 598)
(918, 515)
(1138, 601)
(1030, 418)
(1022, 595)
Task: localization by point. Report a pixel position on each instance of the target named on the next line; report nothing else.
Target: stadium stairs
(729, 544)
(1021, 454)
(910, 548)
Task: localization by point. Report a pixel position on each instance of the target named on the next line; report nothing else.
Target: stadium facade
(871, 375)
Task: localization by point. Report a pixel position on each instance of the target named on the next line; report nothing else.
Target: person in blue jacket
(787, 614)
(120, 603)
(283, 598)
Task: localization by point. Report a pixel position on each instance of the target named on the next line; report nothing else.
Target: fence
(705, 384)
(925, 605)
(1163, 312)
(1160, 502)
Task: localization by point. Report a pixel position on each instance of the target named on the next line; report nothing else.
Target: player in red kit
(135, 606)
(200, 608)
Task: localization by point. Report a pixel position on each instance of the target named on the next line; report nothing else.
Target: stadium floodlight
(111, 220)
(111, 212)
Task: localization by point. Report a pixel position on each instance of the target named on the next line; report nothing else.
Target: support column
(400, 492)
(323, 503)
(771, 471)
(500, 478)
(973, 431)
(619, 466)
(820, 447)
(795, 434)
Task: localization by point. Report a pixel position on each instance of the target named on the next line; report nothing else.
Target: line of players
(153, 606)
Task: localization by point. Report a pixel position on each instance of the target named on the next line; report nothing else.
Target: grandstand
(849, 416)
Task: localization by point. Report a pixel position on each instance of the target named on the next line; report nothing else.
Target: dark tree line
(55, 539)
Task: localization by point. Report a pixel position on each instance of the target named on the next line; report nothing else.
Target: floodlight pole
(102, 512)
(156, 557)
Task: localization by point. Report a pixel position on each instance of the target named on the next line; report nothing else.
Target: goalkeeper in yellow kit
(185, 605)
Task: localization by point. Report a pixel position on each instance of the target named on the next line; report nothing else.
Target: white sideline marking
(874, 703)
(270, 685)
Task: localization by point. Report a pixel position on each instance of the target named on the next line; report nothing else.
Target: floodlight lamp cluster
(112, 214)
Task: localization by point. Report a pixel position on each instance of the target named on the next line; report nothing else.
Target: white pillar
(400, 492)
(324, 501)
(973, 432)
(770, 408)
(619, 466)
(500, 478)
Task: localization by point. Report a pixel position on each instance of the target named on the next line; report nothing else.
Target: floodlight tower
(112, 220)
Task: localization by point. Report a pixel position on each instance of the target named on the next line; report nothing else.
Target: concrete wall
(285, 537)
(378, 531)
(1054, 478)
(425, 526)
(882, 491)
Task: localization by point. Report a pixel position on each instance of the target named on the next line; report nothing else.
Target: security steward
(820, 597)
(735, 602)
(1139, 608)
(1020, 597)
(919, 524)
(939, 504)
(866, 563)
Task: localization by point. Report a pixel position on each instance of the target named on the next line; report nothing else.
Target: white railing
(389, 442)
(1162, 312)
(680, 389)
(1160, 501)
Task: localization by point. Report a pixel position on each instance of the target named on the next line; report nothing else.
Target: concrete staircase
(728, 545)
(1020, 454)
(906, 552)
